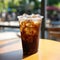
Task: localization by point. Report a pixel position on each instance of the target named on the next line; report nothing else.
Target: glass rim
(27, 18)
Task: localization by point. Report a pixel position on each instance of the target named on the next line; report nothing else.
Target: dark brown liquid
(30, 37)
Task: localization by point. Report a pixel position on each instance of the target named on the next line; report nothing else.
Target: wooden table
(48, 50)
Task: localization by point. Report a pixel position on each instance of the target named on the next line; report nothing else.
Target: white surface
(16, 54)
(11, 23)
(14, 23)
(11, 53)
(7, 35)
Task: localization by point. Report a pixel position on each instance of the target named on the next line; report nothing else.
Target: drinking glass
(30, 27)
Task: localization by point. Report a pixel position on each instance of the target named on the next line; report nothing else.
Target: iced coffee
(30, 29)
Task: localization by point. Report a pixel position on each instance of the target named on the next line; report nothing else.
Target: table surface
(48, 50)
(11, 49)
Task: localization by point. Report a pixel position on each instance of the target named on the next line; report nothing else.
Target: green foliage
(53, 2)
(13, 4)
(5, 4)
(57, 5)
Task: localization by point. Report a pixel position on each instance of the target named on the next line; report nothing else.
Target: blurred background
(10, 9)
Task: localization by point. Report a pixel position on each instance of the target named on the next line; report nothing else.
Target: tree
(53, 2)
(36, 3)
(5, 4)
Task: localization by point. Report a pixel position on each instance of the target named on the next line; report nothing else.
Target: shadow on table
(28, 55)
(12, 55)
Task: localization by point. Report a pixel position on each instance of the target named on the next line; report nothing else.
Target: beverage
(30, 30)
